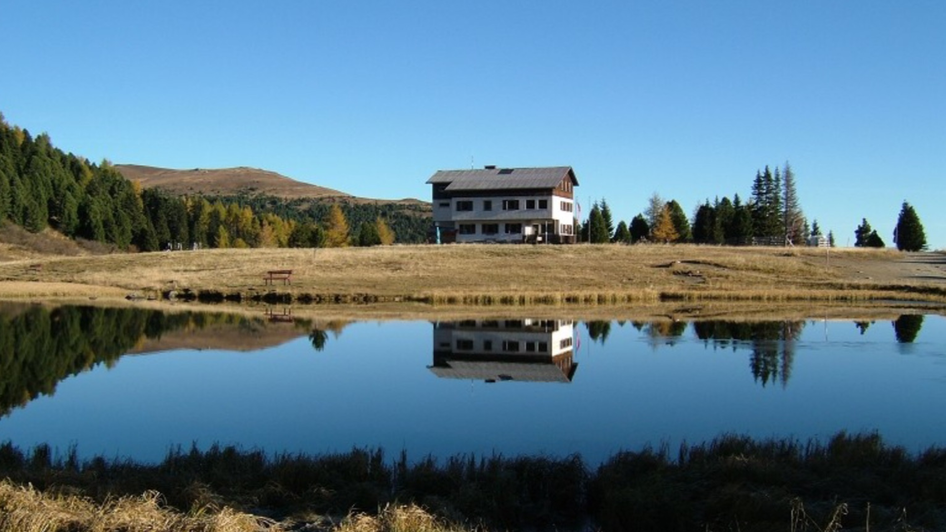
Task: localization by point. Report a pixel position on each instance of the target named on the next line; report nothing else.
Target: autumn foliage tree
(335, 228)
(664, 231)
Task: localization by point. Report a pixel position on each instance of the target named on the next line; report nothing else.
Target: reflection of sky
(371, 386)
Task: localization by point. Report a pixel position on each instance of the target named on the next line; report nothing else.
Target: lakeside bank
(488, 275)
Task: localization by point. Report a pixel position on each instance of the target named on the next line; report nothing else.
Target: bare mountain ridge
(236, 181)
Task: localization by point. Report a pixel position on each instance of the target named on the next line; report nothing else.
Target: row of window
(490, 229)
(512, 229)
(508, 346)
(507, 205)
(513, 324)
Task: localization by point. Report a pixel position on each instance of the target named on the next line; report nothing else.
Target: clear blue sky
(686, 99)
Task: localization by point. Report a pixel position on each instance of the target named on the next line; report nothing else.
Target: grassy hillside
(224, 182)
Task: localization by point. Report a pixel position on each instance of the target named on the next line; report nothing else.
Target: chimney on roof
(490, 167)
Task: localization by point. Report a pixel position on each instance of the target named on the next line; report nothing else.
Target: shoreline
(731, 480)
(501, 276)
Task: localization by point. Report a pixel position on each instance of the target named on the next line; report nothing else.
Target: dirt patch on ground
(910, 268)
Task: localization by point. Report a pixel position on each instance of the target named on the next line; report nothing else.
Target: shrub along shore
(731, 483)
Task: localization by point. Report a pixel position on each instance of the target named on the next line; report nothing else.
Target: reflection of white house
(505, 350)
(505, 205)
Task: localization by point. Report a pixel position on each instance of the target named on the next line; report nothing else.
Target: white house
(505, 350)
(535, 205)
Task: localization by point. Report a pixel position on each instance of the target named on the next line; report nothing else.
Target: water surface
(131, 383)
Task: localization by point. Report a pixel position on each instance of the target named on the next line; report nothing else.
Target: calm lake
(133, 383)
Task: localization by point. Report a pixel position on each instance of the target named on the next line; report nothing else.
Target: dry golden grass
(403, 518)
(503, 274)
(24, 509)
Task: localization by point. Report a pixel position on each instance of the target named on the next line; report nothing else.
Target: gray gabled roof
(503, 178)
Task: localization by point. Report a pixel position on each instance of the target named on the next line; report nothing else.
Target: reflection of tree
(39, 347)
(862, 326)
(318, 337)
(664, 332)
(907, 327)
(772, 342)
(598, 330)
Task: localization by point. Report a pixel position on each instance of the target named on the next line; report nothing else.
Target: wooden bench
(276, 275)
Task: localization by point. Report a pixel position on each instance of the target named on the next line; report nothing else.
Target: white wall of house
(510, 224)
(522, 342)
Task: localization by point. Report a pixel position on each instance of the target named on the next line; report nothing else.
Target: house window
(487, 345)
(490, 229)
(465, 205)
(513, 229)
(513, 324)
(487, 205)
(530, 204)
(543, 204)
(565, 343)
(530, 347)
(511, 205)
(543, 347)
(567, 206)
(464, 344)
(467, 229)
(510, 346)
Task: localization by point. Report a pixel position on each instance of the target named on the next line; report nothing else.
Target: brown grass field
(491, 275)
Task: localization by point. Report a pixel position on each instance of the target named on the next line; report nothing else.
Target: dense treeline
(41, 186)
(409, 222)
(771, 216)
(40, 347)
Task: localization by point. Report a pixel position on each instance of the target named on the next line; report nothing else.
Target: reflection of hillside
(249, 336)
(504, 350)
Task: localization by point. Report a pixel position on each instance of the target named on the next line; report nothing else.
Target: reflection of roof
(511, 368)
(503, 178)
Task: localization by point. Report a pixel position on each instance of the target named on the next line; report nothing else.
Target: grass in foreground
(731, 483)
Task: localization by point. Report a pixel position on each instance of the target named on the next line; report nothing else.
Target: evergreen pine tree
(704, 224)
(909, 234)
(794, 219)
(608, 220)
(862, 233)
(622, 235)
(874, 241)
(680, 222)
(597, 229)
(723, 216)
(815, 229)
(640, 229)
(368, 235)
(741, 231)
